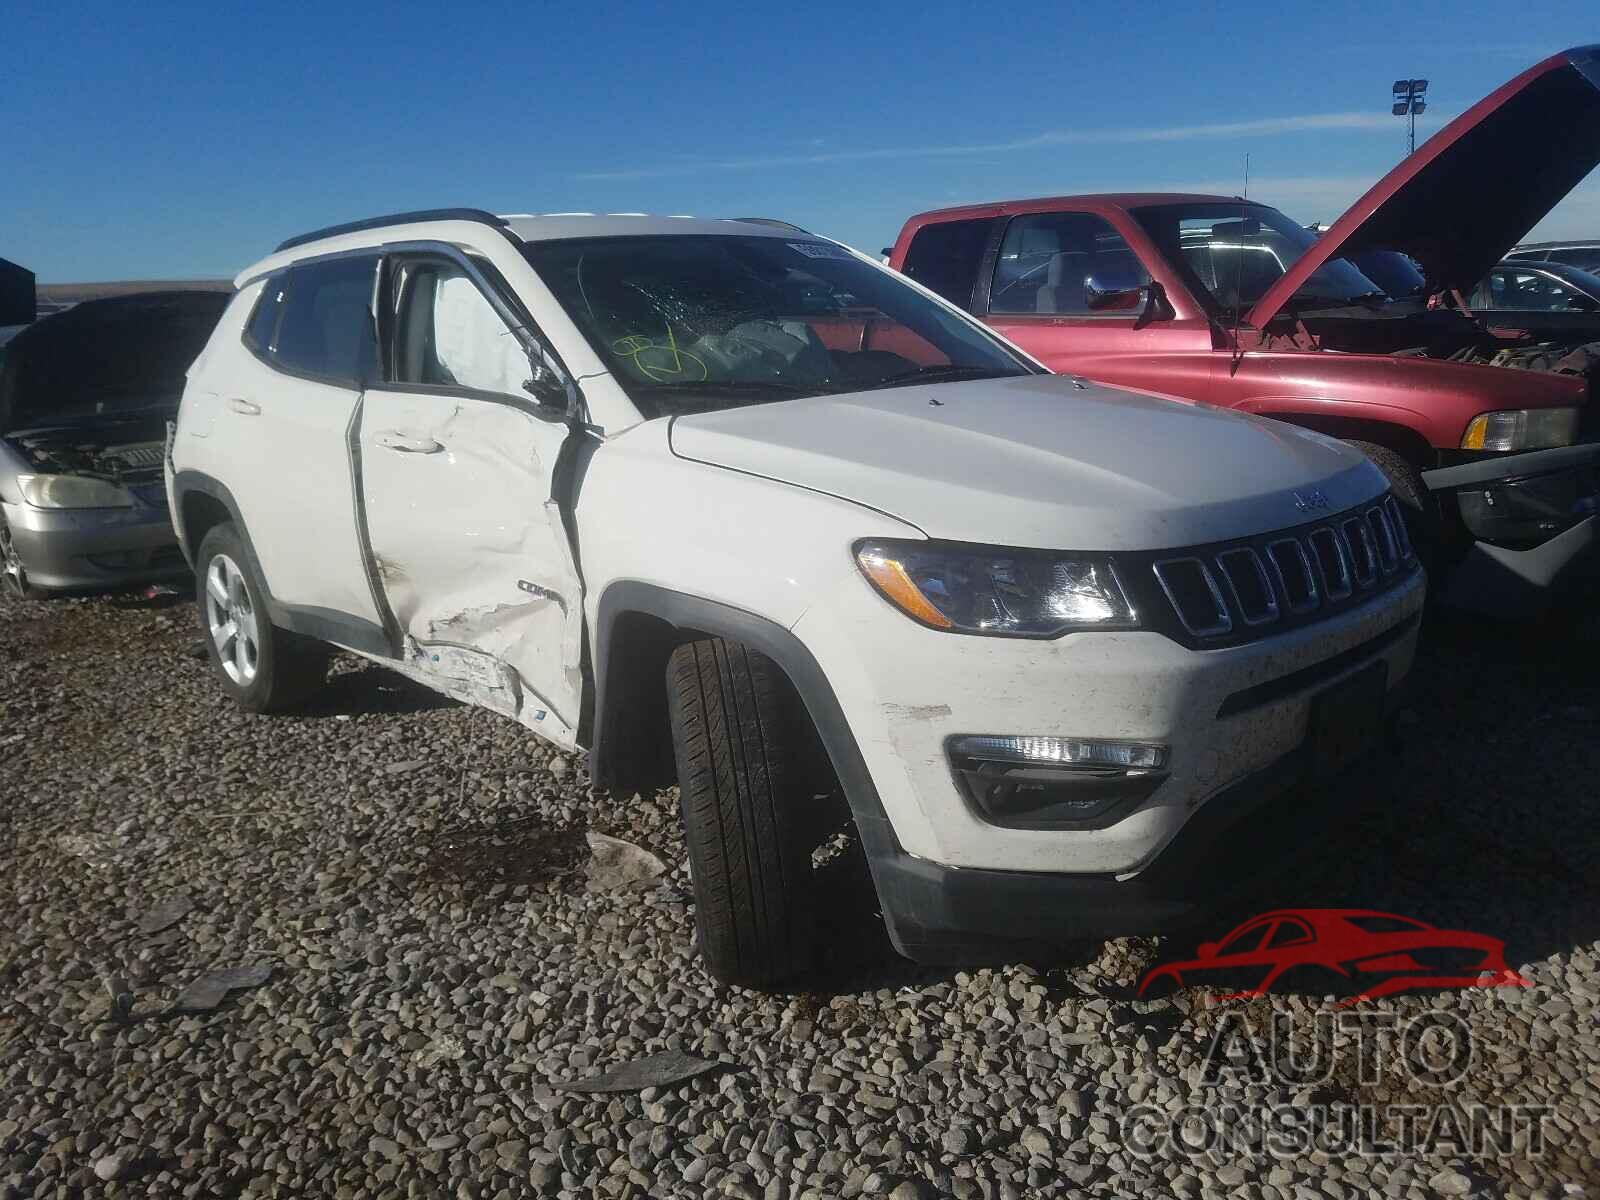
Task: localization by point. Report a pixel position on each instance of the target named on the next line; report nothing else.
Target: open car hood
(1474, 189)
(105, 358)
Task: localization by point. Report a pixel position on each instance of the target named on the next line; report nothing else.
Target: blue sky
(169, 140)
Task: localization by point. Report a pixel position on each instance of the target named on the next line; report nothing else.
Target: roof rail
(773, 221)
(405, 218)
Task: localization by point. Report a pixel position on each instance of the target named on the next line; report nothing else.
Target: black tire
(1405, 480)
(739, 732)
(287, 666)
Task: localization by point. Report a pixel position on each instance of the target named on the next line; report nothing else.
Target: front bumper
(1242, 838)
(1225, 715)
(93, 548)
(1532, 523)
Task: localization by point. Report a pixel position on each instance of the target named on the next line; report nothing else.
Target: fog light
(1054, 782)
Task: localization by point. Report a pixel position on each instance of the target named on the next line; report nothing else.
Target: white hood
(1041, 461)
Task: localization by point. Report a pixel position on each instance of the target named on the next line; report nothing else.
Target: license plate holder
(1347, 720)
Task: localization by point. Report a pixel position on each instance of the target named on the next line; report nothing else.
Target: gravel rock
(117, 1165)
(440, 967)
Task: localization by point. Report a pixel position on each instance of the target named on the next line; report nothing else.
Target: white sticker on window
(820, 250)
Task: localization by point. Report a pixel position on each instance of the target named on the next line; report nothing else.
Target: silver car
(85, 395)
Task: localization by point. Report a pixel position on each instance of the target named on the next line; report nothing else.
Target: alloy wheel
(231, 618)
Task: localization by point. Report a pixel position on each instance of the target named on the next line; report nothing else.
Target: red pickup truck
(1363, 333)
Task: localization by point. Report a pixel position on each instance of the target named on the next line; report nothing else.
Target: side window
(1528, 290)
(449, 335)
(945, 257)
(1046, 257)
(1288, 933)
(262, 329)
(1245, 941)
(326, 328)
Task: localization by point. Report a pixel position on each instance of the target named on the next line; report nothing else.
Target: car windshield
(690, 323)
(1232, 253)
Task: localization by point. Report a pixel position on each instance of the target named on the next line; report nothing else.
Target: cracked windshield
(694, 323)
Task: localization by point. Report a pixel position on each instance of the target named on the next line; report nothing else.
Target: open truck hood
(1474, 189)
(1040, 461)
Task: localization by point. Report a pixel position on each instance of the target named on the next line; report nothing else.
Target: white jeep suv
(725, 502)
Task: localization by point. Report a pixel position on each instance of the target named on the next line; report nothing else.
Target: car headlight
(1521, 429)
(992, 590)
(72, 491)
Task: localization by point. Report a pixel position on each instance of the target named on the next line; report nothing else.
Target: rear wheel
(1405, 481)
(264, 668)
(739, 733)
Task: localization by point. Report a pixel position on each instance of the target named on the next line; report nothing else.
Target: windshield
(691, 323)
(1231, 254)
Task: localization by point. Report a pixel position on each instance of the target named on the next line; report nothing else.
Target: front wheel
(738, 735)
(264, 668)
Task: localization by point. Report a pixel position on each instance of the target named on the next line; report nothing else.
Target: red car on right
(1364, 333)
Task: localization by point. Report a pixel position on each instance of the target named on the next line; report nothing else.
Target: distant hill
(54, 294)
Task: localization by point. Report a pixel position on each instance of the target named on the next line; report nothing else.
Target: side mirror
(1109, 293)
(1208, 950)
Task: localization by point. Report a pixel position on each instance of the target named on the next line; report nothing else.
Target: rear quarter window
(326, 328)
(262, 328)
(945, 258)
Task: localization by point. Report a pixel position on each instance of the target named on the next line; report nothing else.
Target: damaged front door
(458, 463)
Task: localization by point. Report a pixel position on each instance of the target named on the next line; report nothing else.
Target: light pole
(1408, 102)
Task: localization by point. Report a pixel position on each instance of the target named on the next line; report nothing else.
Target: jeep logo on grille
(1308, 501)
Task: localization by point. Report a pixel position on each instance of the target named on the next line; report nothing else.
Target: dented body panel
(470, 551)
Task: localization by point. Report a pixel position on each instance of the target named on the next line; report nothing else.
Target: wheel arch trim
(689, 613)
(344, 629)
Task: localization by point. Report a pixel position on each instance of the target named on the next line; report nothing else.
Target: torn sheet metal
(469, 674)
(472, 553)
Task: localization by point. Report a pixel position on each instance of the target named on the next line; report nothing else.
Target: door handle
(245, 408)
(392, 439)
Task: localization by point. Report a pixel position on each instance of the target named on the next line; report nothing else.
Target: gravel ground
(412, 872)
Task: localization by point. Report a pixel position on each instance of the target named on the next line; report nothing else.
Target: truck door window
(1046, 257)
(448, 335)
(944, 258)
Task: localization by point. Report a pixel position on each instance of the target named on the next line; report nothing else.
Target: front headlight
(988, 589)
(72, 491)
(1521, 429)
